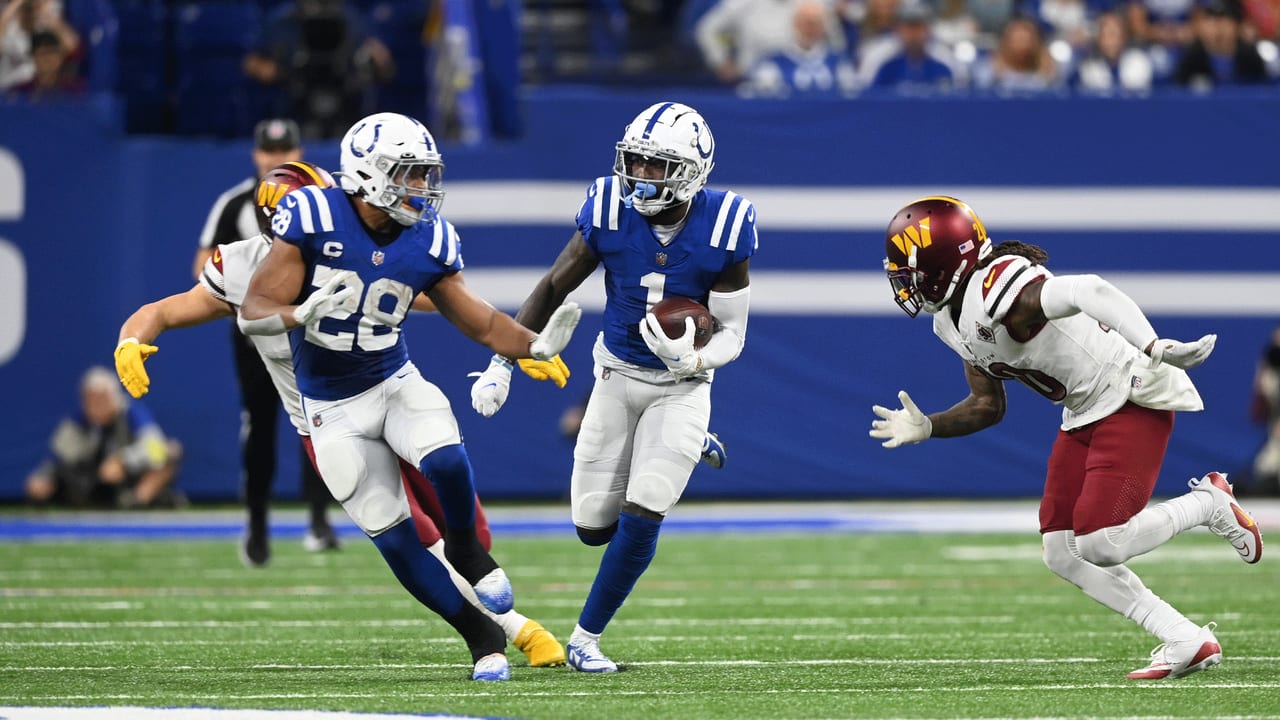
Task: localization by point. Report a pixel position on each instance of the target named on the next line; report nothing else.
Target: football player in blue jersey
(659, 233)
(344, 269)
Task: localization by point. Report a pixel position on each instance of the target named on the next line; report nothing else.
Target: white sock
(1187, 511)
(511, 621)
(580, 634)
(1160, 618)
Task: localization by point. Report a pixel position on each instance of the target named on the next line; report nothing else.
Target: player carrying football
(1084, 344)
(659, 233)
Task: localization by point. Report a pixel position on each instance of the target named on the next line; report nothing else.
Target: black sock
(465, 553)
(482, 635)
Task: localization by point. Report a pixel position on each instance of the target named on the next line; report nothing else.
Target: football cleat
(1227, 520)
(539, 645)
(1173, 660)
(494, 592)
(492, 668)
(713, 452)
(255, 550)
(320, 539)
(584, 654)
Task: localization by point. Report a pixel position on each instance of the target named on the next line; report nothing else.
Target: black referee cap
(276, 134)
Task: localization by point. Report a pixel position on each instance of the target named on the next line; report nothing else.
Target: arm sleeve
(731, 310)
(1066, 295)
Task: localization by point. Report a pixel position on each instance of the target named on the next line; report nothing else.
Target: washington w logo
(911, 237)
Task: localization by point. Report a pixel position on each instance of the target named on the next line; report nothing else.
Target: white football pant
(357, 440)
(638, 442)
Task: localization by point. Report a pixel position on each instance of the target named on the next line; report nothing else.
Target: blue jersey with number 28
(358, 345)
(719, 231)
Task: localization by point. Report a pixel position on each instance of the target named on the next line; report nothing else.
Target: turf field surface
(786, 620)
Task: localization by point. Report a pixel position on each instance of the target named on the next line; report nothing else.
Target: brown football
(672, 312)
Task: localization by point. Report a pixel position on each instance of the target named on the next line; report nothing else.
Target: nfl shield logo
(316, 420)
(378, 257)
(662, 258)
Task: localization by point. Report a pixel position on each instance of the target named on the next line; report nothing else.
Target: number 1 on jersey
(656, 284)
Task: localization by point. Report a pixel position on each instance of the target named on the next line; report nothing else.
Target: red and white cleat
(1173, 660)
(1227, 520)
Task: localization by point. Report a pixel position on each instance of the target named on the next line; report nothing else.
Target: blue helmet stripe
(653, 121)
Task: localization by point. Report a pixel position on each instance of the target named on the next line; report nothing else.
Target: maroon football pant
(1102, 474)
(424, 505)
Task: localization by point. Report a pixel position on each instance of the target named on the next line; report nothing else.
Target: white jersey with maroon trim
(1074, 361)
(226, 276)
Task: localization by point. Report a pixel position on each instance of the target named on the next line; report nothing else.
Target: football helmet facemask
(392, 162)
(280, 181)
(669, 134)
(932, 245)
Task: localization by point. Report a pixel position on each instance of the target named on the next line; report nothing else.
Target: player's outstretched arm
(193, 307)
(1065, 295)
(983, 408)
(572, 267)
(497, 330)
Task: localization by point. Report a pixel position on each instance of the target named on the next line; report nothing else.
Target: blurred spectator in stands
(917, 66)
(1063, 20)
(1266, 410)
(955, 25)
(1263, 17)
(52, 78)
(871, 30)
(1219, 55)
(735, 35)
(19, 20)
(1113, 66)
(992, 16)
(809, 67)
(323, 58)
(1164, 27)
(109, 453)
(1020, 65)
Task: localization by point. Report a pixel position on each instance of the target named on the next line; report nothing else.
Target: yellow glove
(554, 369)
(130, 354)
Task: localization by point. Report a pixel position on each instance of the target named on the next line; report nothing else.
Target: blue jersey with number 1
(359, 345)
(719, 231)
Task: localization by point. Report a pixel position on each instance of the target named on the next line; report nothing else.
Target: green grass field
(722, 626)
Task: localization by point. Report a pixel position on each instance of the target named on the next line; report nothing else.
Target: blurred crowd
(214, 67)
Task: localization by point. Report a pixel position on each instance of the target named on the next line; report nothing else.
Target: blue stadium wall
(1175, 199)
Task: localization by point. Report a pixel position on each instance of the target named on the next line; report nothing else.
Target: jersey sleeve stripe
(437, 239)
(452, 245)
(323, 213)
(722, 217)
(304, 213)
(215, 287)
(615, 201)
(597, 209)
(743, 207)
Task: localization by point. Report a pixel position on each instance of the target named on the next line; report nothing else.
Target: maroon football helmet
(283, 179)
(932, 245)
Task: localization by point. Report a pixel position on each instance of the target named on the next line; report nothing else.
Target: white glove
(676, 353)
(489, 391)
(1180, 354)
(326, 299)
(907, 426)
(555, 336)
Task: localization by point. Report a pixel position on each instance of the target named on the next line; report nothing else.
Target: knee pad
(657, 484)
(376, 510)
(1098, 547)
(597, 536)
(445, 462)
(1060, 553)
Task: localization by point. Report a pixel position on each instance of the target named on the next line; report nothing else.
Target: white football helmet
(676, 134)
(392, 162)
